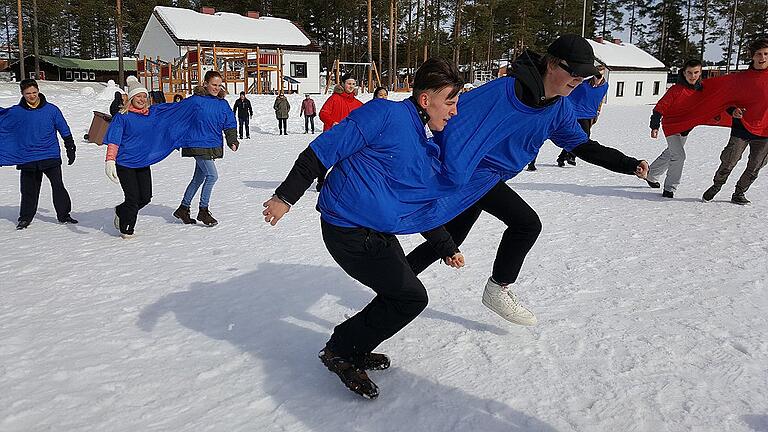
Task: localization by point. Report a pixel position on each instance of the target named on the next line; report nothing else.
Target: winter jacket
(28, 135)
(204, 138)
(282, 107)
(678, 92)
(243, 108)
(308, 108)
(586, 99)
(117, 102)
(338, 107)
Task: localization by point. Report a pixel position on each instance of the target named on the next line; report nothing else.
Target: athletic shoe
(352, 375)
(23, 224)
(740, 199)
(653, 184)
(500, 299)
(68, 219)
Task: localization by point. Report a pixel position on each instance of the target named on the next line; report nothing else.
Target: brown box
(98, 128)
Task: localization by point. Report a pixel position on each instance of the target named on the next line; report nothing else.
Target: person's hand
(233, 145)
(70, 155)
(739, 113)
(642, 170)
(455, 261)
(110, 169)
(335, 123)
(654, 133)
(274, 210)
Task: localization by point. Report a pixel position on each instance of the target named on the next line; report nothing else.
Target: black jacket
(242, 108)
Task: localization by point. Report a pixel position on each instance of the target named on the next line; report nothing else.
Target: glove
(69, 144)
(110, 169)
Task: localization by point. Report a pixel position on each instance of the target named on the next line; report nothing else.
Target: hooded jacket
(338, 107)
(282, 107)
(214, 117)
(28, 135)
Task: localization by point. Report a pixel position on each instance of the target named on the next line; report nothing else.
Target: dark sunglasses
(573, 74)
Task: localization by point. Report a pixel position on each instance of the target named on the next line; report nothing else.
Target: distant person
(41, 120)
(381, 93)
(177, 98)
(119, 101)
(282, 109)
(309, 111)
(244, 112)
(337, 108)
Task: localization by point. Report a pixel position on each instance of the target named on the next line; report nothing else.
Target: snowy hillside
(652, 312)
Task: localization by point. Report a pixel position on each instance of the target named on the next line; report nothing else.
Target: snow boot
(206, 217)
(710, 193)
(352, 375)
(375, 361)
(500, 299)
(182, 213)
(740, 199)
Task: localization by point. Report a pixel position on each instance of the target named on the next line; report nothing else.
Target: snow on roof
(624, 55)
(186, 24)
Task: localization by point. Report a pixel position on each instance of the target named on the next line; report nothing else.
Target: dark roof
(111, 65)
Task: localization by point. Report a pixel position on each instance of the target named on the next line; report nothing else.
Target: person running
(39, 121)
(671, 160)
(385, 163)
(125, 164)
(587, 100)
(244, 112)
(309, 111)
(742, 137)
(205, 145)
(337, 108)
(500, 129)
(282, 109)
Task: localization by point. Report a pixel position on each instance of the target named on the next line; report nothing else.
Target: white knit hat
(135, 87)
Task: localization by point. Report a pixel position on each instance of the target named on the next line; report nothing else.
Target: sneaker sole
(522, 322)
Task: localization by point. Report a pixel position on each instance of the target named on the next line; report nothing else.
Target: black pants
(31, 180)
(282, 124)
(586, 125)
(137, 187)
(243, 123)
(377, 261)
(523, 228)
(309, 120)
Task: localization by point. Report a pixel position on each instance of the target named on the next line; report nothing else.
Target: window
(298, 70)
(92, 76)
(639, 88)
(656, 87)
(620, 89)
(77, 76)
(69, 75)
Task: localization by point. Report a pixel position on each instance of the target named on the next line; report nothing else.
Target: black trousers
(309, 120)
(377, 261)
(243, 123)
(30, 182)
(282, 124)
(586, 125)
(137, 187)
(523, 228)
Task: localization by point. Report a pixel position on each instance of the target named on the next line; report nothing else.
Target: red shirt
(337, 108)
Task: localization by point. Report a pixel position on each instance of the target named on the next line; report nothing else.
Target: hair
(178, 98)
(546, 60)
(758, 44)
(242, 93)
(436, 74)
(27, 83)
(212, 74)
(378, 89)
(692, 63)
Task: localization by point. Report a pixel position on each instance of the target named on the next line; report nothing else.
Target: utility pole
(584, 20)
(120, 66)
(22, 72)
(370, 50)
(35, 36)
(730, 37)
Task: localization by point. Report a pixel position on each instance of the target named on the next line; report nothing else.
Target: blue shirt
(586, 99)
(214, 116)
(29, 135)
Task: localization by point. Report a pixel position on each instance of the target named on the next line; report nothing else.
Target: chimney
(599, 39)
(617, 41)
(253, 14)
(207, 10)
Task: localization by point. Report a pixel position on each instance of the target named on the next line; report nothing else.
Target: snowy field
(652, 312)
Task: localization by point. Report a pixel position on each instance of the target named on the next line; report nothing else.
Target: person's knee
(415, 302)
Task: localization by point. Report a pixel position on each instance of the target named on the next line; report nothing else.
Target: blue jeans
(206, 175)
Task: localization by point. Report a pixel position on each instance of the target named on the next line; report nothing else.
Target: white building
(171, 32)
(634, 76)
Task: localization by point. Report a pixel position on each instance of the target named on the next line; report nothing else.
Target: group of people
(430, 164)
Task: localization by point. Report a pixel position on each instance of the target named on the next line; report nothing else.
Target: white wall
(310, 84)
(155, 42)
(630, 80)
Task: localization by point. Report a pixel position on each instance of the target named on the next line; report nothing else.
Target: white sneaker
(127, 236)
(500, 299)
(117, 222)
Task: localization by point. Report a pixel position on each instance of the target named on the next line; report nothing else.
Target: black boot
(668, 194)
(206, 217)
(711, 192)
(182, 213)
(739, 198)
(654, 185)
(23, 224)
(351, 374)
(68, 219)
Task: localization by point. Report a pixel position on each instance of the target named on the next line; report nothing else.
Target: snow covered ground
(652, 311)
